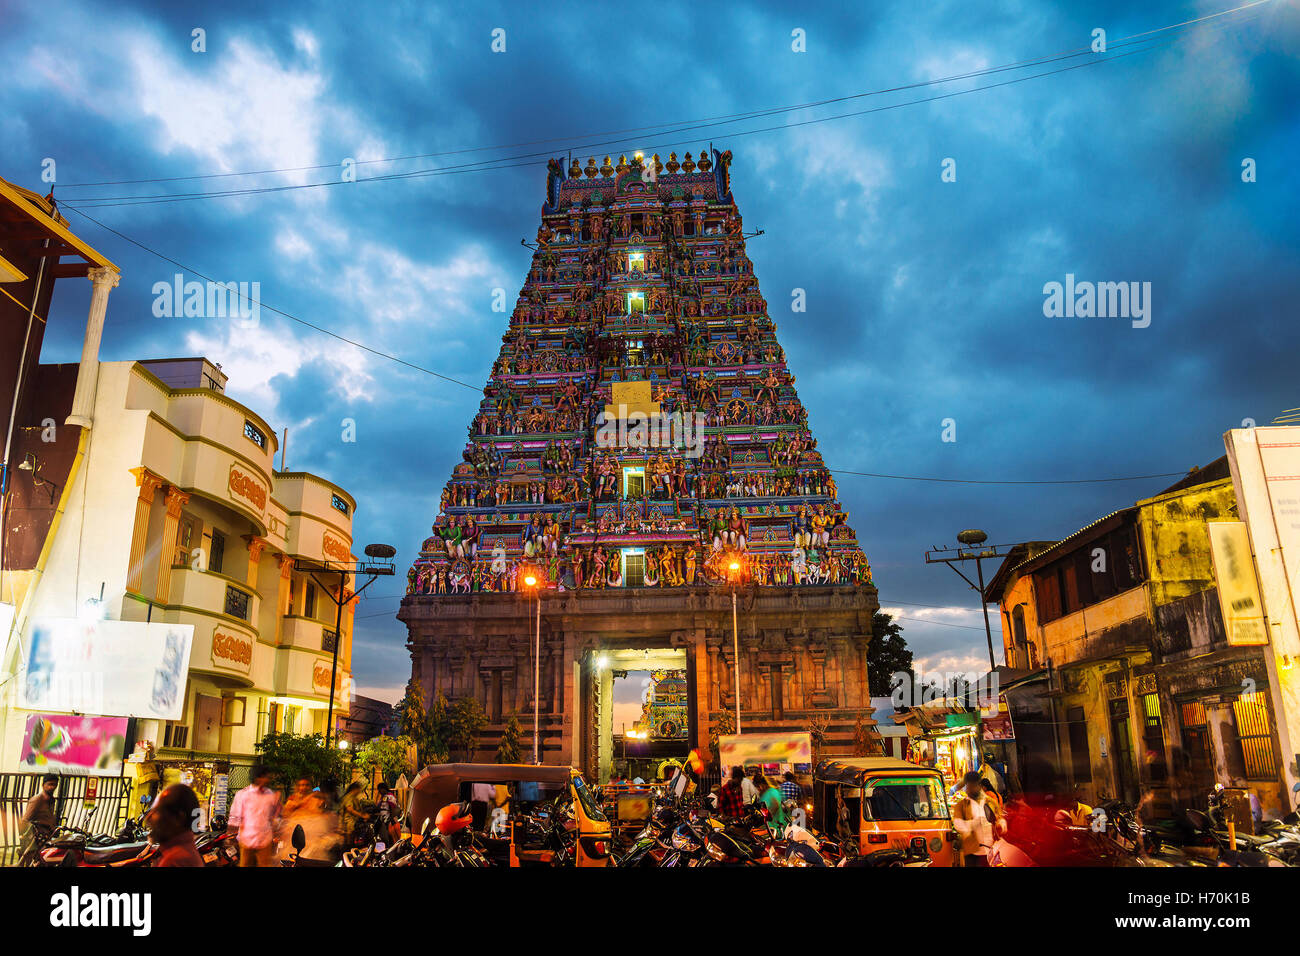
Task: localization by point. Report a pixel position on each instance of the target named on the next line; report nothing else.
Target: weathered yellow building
(1116, 642)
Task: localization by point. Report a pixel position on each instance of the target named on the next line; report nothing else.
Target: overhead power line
(724, 119)
(455, 381)
(1008, 481)
(319, 328)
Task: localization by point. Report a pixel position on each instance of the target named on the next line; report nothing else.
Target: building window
(329, 639)
(237, 603)
(309, 602)
(1254, 737)
(633, 568)
(635, 263)
(339, 504)
(1078, 730)
(636, 303)
(184, 539)
(217, 553)
(176, 735)
(254, 434)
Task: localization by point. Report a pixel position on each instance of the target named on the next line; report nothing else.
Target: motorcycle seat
(114, 854)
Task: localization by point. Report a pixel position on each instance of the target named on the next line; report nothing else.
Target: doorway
(1122, 751)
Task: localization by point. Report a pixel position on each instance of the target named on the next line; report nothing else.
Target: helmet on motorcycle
(453, 818)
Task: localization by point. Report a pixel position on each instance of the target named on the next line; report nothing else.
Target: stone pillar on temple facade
(285, 564)
(103, 280)
(174, 502)
(148, 483)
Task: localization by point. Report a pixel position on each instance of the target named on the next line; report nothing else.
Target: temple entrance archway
(642, 713)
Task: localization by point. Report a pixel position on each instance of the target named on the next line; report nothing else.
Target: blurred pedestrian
(731, 795)
(171, 826)
(976, 822)
(38, 818)
(770, 797)
(790, 789)
(749, 786)
(352, 813)
(253, 816)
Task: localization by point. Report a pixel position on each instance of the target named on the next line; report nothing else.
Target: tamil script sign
(232, 649)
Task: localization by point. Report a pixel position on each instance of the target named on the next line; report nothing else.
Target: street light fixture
(530, 581)
(734, 566)
(972, 538)
(378, 563)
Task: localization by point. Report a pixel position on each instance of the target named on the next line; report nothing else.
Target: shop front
(942, 736)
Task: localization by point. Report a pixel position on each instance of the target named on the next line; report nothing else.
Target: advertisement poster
(120, 668)
(1234, 572)
(62, 743)
(998, 726)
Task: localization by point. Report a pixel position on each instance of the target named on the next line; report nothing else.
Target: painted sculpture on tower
(640, 427)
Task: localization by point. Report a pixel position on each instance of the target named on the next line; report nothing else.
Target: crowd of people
(261, 819)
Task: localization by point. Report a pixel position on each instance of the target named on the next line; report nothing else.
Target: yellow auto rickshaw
(499, 795)
(882, 803)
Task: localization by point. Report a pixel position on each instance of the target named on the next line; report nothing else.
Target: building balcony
(305, 633)
(214, 594)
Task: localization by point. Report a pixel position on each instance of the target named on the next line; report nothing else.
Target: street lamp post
(735, 639)
(379, 563)
(531, 581)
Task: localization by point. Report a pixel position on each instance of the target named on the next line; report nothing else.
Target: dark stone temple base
(803, 655)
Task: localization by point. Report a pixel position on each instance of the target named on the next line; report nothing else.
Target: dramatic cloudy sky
(924, 297)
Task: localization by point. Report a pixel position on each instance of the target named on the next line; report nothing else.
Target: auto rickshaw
(882, 803)
(517, 790)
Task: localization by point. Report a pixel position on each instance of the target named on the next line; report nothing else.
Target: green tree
(425, 727)
(887, 655)
(508, 749)
(465, 721)
(290, 757)
(388, 754)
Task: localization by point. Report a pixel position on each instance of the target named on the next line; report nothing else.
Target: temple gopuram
(639, 455)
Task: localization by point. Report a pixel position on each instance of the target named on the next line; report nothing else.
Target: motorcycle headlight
(683, 841)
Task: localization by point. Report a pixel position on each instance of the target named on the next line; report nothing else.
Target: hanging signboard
(65, 743)
(999, 726)
(110, 668)
(1234, 571)
(764, 750)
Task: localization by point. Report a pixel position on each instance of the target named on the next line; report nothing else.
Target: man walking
(38, 818)
(790, 789)
(253, 816)
(171, 827)
(976, 822)
(731, 795)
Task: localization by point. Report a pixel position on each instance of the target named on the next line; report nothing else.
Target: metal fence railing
(106, 812)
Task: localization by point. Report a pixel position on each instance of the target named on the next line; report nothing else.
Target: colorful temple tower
(639, 453)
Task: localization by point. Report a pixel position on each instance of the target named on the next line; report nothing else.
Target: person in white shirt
(748, 790)
(976, 821)
(253, 816)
